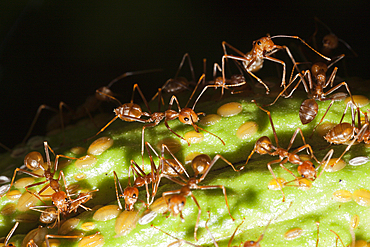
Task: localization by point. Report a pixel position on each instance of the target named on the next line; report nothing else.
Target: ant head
(317, 68)
(330, 41)
(307, 170)
(176, 204)
(103, 94)
(263, 145)
(60, 200)
(200, 163)
(188, 116)
(34, 161)
(131, 195)
(264, 44)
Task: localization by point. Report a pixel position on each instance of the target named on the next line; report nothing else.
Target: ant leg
(198, 218)
(168, 127)
(327, 157)
(136, 86)
(120, 187)
(272, 124)
(273, 174)
(218, 156)
(41, 107)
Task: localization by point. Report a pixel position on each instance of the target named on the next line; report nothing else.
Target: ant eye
(134, 195)
(186, 119)
(313, 166)
(259, 43)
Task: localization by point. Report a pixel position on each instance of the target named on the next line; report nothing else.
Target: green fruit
(247, 191)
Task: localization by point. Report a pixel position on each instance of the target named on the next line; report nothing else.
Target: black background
(54, 51)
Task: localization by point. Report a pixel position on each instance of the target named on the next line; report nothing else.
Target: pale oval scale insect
(173, 145)
(147, 217)
(78, 150)
(23, 182)
(360, 100)
(96, 240)
(333, 167)
(37, 235)
(86, 161)
(194, 137)
(303, 183)
(293, 233)
(229, 109)
(52, 243)
(209, 119)
(247, 130)
(68, 225)
(14, 195)
(26, 218)
(355, 221)
(125, 222)
(49, 191)
(79, 176)
(100, 145)
(342, 196)
(362, 197)
(324, 128)
(276, 184)
(25, 201)
(8, 209)
(160, 205)
(88, 226)
(358, 161)
(361, 243)
(106, 213)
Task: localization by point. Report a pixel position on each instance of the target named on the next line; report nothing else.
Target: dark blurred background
(52, 51)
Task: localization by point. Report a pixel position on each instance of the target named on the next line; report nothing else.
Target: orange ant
(201, 165)
(264, 145)
(252, 61)
(185, 115)
(330, 41)
(177, 84)
(34, 161)
(131, 192)
(343, 132)
(10, 234)
(64, 205)
(315, 91)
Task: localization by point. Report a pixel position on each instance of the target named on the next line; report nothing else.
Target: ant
(10, 234)
(330, 41)
(34, 161)
(309, 108)
(252, 61)
(264, 145)
(343, 132)
(64, 205)
(131, 192)
(185, 115)
(178, 84)
(201, 165)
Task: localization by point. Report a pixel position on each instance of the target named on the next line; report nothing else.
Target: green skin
(247, 192)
